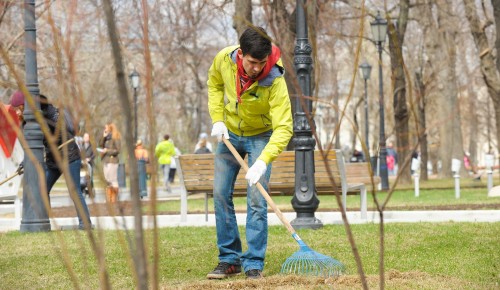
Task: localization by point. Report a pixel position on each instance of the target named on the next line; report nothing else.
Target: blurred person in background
(142, 157)
(202, 149)
(203, 139)
(173, 165)
(110, 146)
(164, 151)
(62, 126)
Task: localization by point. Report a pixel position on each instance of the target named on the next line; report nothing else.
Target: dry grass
(393, 280)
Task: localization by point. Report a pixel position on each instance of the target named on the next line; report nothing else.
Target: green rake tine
(309, 262)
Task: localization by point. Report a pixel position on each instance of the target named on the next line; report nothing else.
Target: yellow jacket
(164, 152)
(265, 104)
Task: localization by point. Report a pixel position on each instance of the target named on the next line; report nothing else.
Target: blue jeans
(53, 175)
(166, 172)
(228, 237)
(141, 169)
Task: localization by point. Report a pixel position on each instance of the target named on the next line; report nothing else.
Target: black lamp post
(366, 69)
(379, 31)
(134, 80)
(35, 217)
(305, 201)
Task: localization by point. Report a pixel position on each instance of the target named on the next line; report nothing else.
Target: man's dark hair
(166, 137)
(255, 42)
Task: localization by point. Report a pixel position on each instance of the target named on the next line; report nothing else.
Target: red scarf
(243, 81)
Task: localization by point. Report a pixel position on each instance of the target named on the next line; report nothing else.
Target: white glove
(219, 129)
(255, 172)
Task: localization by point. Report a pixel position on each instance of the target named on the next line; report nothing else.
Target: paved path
(9, 222)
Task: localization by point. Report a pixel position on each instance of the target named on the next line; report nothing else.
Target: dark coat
(51, 116)
(89, 153)
(113, 146)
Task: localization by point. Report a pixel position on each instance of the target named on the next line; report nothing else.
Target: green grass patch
(464, 254)
(400, 199)
(442, 183)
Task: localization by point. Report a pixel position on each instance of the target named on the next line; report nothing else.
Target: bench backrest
(197, 172)
(360, 172)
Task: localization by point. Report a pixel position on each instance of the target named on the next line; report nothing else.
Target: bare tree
(420, 89)
(401, 113)
(242, 18)
(137, 248)
(489, 66)
(496, 15)
(441, 52)
(171, 43)
(182, 57)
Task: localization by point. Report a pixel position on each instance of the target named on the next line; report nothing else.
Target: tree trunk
(439, 42)
(401, 115)
(473, 125)
(496, 14)
(444, 102)
(422, 129)
(242, 18)
(283, 27)
(356, 132)
(471, 120)
(489, 67)
(137, 249)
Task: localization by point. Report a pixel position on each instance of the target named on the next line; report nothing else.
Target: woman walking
(110, 149)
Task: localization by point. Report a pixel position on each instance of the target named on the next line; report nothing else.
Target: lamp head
(134, 79)
(379, 28)
(366, 69)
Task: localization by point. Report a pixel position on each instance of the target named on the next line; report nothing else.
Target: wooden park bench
(196, 172)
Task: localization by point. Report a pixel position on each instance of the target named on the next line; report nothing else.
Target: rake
(20, 169)
(305, 261)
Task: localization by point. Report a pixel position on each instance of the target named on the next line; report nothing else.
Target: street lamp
(35, 216)
(305, 200)
(134, 79)
(379, 31)
(366, 69)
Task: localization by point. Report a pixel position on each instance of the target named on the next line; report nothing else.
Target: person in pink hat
(17, 103)
(52, 115)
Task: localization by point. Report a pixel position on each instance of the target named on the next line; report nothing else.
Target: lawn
(417, 256)
(404, 199)
(421, 255)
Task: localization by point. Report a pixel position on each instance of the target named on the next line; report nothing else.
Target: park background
(439, 68)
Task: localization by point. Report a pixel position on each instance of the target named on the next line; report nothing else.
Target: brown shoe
(109, 193)
(114, 195)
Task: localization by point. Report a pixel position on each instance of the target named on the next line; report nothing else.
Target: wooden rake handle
(9, 178)
(264, 193)
(21, 172)
(65, 143)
